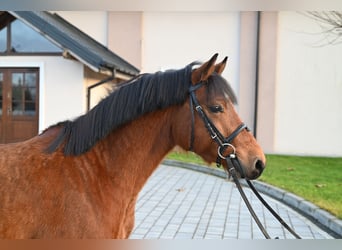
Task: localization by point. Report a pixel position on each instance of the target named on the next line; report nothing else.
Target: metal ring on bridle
(225, 145)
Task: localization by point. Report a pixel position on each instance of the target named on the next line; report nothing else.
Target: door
(19, 96)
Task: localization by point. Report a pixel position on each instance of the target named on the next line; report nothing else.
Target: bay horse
(81, 178)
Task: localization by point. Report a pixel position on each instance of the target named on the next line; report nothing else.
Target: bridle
(231, 159)
(222, 142)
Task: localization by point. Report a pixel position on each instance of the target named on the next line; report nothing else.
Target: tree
(330, 23)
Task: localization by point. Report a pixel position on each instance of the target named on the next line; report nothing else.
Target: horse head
(213, 99)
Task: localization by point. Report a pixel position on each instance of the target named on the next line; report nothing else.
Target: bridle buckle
(214, 136)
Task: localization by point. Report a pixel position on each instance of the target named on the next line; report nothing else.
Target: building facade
(287, 78)
(288, 84)
(48, 71)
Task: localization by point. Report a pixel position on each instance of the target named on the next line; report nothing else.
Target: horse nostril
(259, 165)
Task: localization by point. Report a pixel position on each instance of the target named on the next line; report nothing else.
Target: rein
(231, 159)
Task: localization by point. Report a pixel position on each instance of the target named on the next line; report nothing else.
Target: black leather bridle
(231, 159)
(222, 142)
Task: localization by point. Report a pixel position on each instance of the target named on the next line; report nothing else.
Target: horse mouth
(242, 172)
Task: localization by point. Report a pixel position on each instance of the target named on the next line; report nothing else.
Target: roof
(75, 42)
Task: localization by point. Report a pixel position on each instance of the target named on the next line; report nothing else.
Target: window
(1, 90)
(24, 39)
(24, 93)
(3, 40)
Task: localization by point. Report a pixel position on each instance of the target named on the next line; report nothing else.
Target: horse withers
(81, 178)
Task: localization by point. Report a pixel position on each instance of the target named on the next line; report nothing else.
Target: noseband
(232, 161)
(222, 142)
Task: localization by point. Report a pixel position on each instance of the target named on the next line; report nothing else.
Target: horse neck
(135, 150)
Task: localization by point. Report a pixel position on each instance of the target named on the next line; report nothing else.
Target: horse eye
(215, 108)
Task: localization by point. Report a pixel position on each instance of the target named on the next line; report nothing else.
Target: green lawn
(317, 179)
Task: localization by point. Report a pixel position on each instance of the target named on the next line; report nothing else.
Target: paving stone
(178, 203)
(183, 236)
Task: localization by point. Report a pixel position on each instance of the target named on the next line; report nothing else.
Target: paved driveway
(178, 203)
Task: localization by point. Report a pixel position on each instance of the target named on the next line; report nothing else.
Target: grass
(186, 157)
(316, 179)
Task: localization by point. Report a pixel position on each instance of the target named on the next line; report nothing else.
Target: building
(48, 71)
(288, 85)
(287, 78)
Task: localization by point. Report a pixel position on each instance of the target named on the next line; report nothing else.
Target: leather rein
(232, 160)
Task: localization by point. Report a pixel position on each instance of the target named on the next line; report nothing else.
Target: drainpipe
(256, 76)
(112, 77)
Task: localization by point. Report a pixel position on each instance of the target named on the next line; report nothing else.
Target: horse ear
(204, 71)
(220, 66)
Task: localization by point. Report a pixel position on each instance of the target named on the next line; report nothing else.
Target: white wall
(308, 79)
(308, 89)
(93, 23)
(308, 82)
(175, 39)
(61, 89)
(64, 90)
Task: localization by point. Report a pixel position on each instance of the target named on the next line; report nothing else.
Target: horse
(81, 178)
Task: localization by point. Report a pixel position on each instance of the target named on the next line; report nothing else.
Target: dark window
(24, 93)
(3, 40)
(1, 86)
(25, 39)
(17, 37)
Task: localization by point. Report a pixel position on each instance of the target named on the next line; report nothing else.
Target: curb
(317, 215)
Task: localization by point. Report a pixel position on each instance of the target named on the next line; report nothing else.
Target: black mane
(143, 94)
